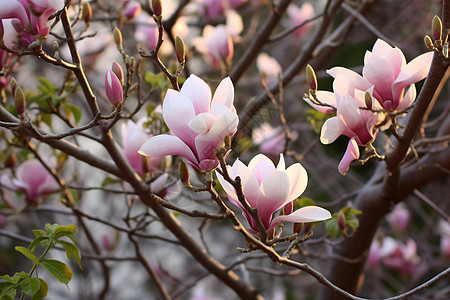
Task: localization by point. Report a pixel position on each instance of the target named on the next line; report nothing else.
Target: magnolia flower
(399, 256)
(29, 17)
(217, 42)
(216, 8)
(298, 15)
(146, 31)
(268, 189)
(350, 120)
(33, 179)
(132, 9)
(268, 66)
(198, 124)
(398, 218)
(133, 137)
(386, 70)
(444, 231)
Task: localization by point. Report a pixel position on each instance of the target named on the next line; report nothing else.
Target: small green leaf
(28, 254)
(7, 292)
(6, 277)
(72, 251)
(333, 228)
(58, 269)
(5, 286)
(50, 228)
(38, 241)
(30, 286)
(353, 223)
(69, 108)
(20, 276)
(40, 233)
(108, 180)
(42, 292)
(68, 231)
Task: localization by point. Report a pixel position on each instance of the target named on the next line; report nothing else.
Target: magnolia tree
(170, 149)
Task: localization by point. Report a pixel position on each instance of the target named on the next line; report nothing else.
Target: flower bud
(298, 227)
(157, 7)
(132, 10)
(183, 172)
(311, 78)
(180, 50)
(87, 12)
(437, 28)
(117, 36)
(428, 42)
(113, 88)
(117, 69)
(368, 99)
(227, 142)
(341, 221)
(18, 95)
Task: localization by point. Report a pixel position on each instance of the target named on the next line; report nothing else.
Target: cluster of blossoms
(361, 102)
(24, 21)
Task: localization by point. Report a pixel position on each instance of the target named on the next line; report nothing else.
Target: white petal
(331, 130)
(164, 144)
(198, 93)
(305, 215)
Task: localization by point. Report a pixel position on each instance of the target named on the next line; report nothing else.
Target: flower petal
(165, 144)
(409, 97)
(224, 93)
(304, 215)
(350, 155)
(331, 130)
(274, 191)
(326, 98)
(198, 93)
(298, 180)
(261, 166)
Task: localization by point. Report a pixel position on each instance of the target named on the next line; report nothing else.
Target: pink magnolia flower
(216, 8)
(268, 189)
(146, 31)
(133, 137)
(399, 256)
(268, 66)
(398, 218)
(131, 9)
(29, 17)
(350, 120)
(33, 179)
(298, 15)
(198, 124)
(386, 70)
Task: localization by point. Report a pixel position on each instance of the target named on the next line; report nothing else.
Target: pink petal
(379, 72)
(201, 123)
(326, 98)
(273, 195)
(305, 214)
(224, 93)
(350, 155)
(12, 9)
(298, 180)
(178, 111)
(415, 70)
(409, 97)
(261, 166)
(164, 144)
(331, 130)
(198, 92)
(356, 80)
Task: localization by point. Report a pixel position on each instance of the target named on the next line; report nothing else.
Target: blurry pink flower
(216, 8)
(133, 137)
(198, 124)
(268, 66)
(398, 218)
(375, 255)
(399, 256)
(270, 139)
(268, 189)
(33, 179)
(298, 15)
(131, 9)
(386, 70)
(113, 88)
(146, 31)
(216, 43)
(444, 231)
(29, 15)
(350, 120)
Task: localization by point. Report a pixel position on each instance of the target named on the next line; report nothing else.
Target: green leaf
(20, 276)
(304, 201)
(5, 286)
(42, 292)
(353, 223)
(50, 228)
(108, 180)
(69, 108)
(7, 292)
(6, 277)
(58, 269)
(68, 231)
(28, 254)
(72, 251)
(40, 233)
(332, 228)
(30, 286)
(46, 86)
(38, 241)
(152, 79)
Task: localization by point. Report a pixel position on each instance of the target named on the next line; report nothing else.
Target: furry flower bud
(117, 69)
(87, 12)
(117, 36)
(180, 49)
(157, 7)
(437, 28)
(311, 77)
(113, 88)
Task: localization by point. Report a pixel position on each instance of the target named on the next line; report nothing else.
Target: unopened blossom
(113, 88)
(32, 178)
(398, 218)
(133, 137)
(199, 125)
(268, 189)
(132, 9)
(29, 18)
(298, 15)
(386, 70)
